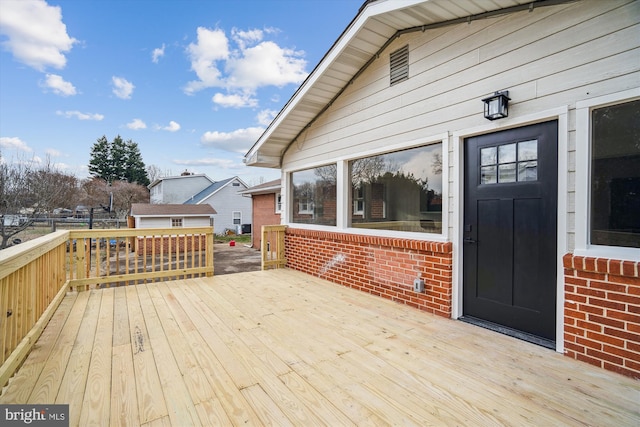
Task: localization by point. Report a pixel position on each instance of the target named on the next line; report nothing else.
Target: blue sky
(193, 82)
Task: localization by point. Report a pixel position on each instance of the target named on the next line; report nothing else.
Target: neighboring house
(170, 216)
(529, 224)
(177, 189)
(266, 202)
(233, 209)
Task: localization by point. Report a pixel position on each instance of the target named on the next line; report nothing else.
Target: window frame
(174, 220)
(278, 202)
(233, 217)
(343, 197)
(583, 246)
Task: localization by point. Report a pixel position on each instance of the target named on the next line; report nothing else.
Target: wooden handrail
(36, 275)
(273, 254)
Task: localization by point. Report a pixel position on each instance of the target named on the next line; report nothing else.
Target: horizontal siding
(551, 57)
(569, 37)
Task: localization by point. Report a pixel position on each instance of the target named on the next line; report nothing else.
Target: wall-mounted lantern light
(496, 106)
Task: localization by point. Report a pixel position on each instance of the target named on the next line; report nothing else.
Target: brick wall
(602, 313)
(264, 213)
(381, 266)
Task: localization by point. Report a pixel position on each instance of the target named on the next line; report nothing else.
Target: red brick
(602, 265)
(608, 286)
(606, 339)
(635, 281)
(633, 373)
(591, 275)
(626, 335)
(604, 356)
(567, 261)
(606, 321)
(615, 266)
(627, 317)
(589, 326)
(607, 303)
(629, 268)
(591, 309)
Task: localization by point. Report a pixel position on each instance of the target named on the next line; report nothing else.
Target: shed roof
(376, 25)
(146, 209)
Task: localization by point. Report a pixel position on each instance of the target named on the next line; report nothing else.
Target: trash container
(246, 228)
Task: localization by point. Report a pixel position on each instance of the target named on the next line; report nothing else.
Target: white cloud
(59, 86)
(238, 141)
(243, 38)
(211, 47)
(80, 116)
(265, 117)
(157, 54)
(173, 127)
(14, 143)
(235, 100)
(36, 35)
(266, 64)
(137, 124)
(122, 88)
(253, 63)
(52, 152)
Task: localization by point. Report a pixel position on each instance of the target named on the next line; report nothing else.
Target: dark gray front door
(510, 211)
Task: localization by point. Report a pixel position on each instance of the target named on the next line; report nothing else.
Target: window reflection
(398, 191)
(314, 196)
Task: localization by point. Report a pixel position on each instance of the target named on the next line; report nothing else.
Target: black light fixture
(496, 106)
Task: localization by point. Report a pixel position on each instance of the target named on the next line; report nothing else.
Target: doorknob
(468, 240)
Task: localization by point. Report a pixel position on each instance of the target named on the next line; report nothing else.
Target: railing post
(273, 250)
(209, 253)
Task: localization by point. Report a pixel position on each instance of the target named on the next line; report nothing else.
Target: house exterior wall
(165, 222)
(178, 189)
(264, 213)
(381, 266)
(226, 201)
(549, 59)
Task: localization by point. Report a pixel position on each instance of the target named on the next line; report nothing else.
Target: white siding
(179, 189)
(227, 200)
(548, 59)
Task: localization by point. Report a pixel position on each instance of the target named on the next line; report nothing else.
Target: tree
(134, 168)
(99, 192)
(117, 161)
(28, 189)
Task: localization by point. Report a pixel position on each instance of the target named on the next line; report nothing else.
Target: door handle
(468, 240)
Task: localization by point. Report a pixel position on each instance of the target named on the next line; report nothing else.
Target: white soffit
(376, 23)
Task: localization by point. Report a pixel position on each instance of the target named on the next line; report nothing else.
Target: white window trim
(175, 219)
(278, 204)
(233, 217)
(343, 198)
(583, 178)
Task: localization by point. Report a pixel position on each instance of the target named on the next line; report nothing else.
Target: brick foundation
(602, 313)
(381, 266)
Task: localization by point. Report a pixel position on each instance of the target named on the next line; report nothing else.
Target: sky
(193, 82)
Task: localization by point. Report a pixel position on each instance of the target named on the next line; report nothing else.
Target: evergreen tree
(100, 160)
(117, 161)
(136, 171)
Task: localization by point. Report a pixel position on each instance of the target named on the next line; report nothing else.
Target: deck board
(285, 348)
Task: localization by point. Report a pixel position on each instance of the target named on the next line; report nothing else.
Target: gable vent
(399, 61)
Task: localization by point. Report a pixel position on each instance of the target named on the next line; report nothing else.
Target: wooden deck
(284, 348)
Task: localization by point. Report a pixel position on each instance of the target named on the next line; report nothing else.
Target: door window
(515, 162)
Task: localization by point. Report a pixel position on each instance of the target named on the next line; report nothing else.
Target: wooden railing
(273, 255)
(132, 255)
(36, 275)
